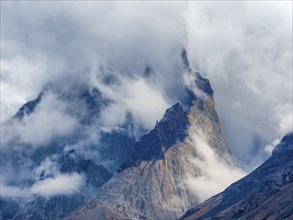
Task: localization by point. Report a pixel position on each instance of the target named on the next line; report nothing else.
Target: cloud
(73, 37)
(64, 184)
(14, 192)
(49, 120)
(244, 48)
(283, 116)
(136, 96)
(269, 147)
(215, 175)
(12, 73)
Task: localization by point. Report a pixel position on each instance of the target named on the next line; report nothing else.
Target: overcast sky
(243, 48)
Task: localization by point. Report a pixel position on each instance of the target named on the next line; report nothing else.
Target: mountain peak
(28, 108)
(201, 82)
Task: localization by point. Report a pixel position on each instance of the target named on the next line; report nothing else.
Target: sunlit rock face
(152, 183)
(266, 193)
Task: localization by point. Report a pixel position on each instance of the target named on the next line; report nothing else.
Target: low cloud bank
(215, 175)
(62, 184)
(49, 120)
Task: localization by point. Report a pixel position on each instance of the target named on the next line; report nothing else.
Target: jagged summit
(28, 107)
(200, 82)
(172, 128)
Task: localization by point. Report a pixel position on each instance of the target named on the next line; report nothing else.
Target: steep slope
(266, 193)
(153, 184)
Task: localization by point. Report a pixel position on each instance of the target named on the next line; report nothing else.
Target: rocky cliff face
(151, 184)
(266, 193)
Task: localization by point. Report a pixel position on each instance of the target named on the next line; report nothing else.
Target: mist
(216, 174)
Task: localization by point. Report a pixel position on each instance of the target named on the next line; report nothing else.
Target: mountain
(266, 193)
(152, 183)
(146, 178)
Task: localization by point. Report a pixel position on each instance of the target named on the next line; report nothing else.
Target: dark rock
(185, 60)
(28, 108)
(8, 208)
(147, 71)
(203, 84)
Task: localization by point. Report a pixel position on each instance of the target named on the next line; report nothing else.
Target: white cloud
(72, 37)
(27, 75)
(145, 102)
(48, 121)
(63, 184)
(14, 192)
(269, 147)
(283, 114)
(215, 176)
